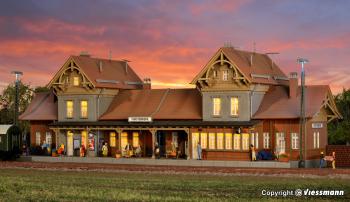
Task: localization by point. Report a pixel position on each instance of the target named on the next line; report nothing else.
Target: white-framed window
(280, 143)
(245, 141)
(266, 140)
(234, 106)
(225, 75)
(69, 108)
(37, 138)
(48, 138)
(204, 140)
(220, 141)
(295, 140)
(237, 141)
(228, 140)
(84, 109)
(211, 140)
(254, 140)
(316, 140)
(216, 106)
(76, 81)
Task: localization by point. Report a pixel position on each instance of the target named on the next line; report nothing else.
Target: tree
(339, 130)
(7, 103)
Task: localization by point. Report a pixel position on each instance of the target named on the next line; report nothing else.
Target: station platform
(160, 162)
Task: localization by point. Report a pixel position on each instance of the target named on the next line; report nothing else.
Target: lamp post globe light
(302, 61)
(18, 74)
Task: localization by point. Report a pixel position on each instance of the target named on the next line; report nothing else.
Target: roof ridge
(245, 51)
(98, 58)
(161, 102)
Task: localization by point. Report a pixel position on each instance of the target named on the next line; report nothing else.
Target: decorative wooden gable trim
(329, 105)
(58, 84)
(204, 79)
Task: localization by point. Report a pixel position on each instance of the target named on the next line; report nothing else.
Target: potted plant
(283, 158)
(118, 154)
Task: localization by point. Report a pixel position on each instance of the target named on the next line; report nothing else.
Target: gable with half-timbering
(221, 74)
(70, 79)
(78, 98)
(226, 92)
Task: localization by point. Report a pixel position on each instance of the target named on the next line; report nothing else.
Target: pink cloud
(217, 6)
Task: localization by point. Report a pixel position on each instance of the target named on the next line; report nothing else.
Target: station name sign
(139, 119)
(317, 125)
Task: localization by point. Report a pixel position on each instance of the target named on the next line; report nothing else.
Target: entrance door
(195, 140)
(280, 143)
(161, 137)
(69, 143)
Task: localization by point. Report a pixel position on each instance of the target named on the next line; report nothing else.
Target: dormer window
(75, 81)
(215, 73)
(225, 75)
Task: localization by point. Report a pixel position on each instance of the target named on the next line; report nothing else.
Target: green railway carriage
(10, 137)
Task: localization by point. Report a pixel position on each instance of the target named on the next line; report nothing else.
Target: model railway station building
(240, 98)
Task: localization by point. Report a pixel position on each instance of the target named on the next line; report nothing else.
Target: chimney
(85, 54)
(293, 84)
(100, 66)
(146, 83)
(126, 65)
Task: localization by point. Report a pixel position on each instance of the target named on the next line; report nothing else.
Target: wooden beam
(221, 58)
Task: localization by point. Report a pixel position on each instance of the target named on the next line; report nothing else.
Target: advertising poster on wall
(91, 142)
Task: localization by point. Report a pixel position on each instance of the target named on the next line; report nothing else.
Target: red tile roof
(276, 103)
(112, 70)
(262, 66)
(42, 107)
(156, 103)
(114, 73)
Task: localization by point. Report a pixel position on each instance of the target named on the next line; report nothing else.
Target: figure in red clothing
(60, 150)
(82, 151)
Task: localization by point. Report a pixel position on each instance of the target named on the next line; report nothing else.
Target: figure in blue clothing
(199, 151)
(322, 159)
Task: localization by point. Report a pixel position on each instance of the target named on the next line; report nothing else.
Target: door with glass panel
(280, 143)
(195, 140)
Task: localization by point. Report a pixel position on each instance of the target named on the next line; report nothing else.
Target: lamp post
(18, 74)
(302, 61)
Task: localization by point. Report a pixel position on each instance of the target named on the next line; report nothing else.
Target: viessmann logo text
(299, 192)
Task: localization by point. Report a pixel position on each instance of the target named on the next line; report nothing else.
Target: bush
(8, 155)
(283, 156)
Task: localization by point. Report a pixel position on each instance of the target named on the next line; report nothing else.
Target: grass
(45, 185)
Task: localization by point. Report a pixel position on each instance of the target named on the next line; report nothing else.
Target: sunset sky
(171, 41)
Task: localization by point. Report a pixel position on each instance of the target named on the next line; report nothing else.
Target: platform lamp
(18, 74)
(302, 61)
